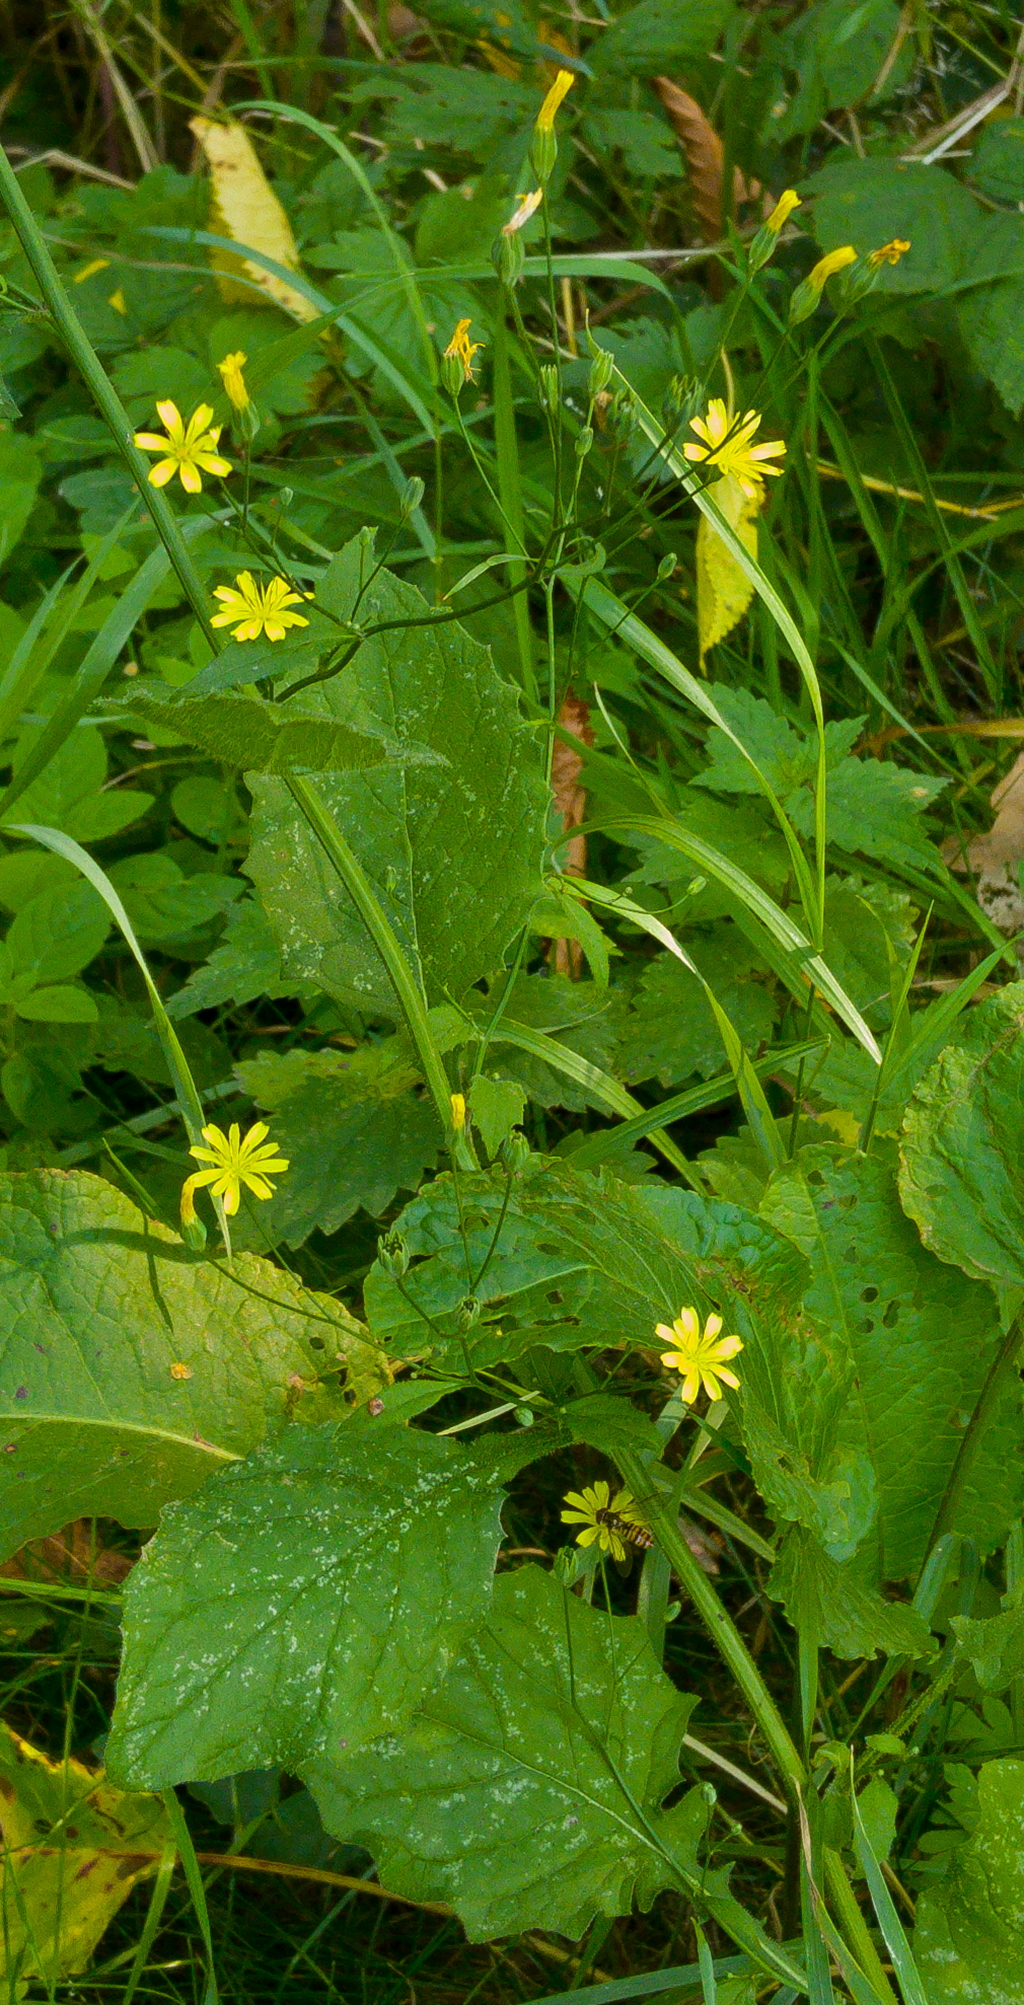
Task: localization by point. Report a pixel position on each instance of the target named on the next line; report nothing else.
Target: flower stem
(84, 356)
(724, 1633)
(377, 924)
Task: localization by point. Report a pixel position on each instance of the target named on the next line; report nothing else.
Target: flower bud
(584, 441)
(768, 235)
(515, 1152)
(466, 1315)
(808, 292)
(393, 1254)
(412, 496)
(601, 368)
(550, 388)
(508, 256)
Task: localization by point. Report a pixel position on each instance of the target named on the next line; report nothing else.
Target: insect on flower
(727, 447)
(701, 1355)
(237, 1160)
(189, 450)
(610, 1522)
(260, 609)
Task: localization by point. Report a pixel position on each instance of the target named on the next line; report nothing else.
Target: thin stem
(365, 900)
(84, 356)
(723, 1631)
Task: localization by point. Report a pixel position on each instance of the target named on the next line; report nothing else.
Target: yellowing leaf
(74, 1847)
(723, 591)
(245, 208)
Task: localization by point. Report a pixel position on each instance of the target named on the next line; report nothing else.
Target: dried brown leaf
(571, 804)
(994, 859)
(705, 157)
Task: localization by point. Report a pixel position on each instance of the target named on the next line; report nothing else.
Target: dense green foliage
(581, 873)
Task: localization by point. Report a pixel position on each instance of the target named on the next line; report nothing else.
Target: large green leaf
(260, 736)
(918, 1340)
(579, 1261)
(964, 1134)
(308, 1597)
(527, 1790)
(969, 1939)
(354, 1126)
(867, 203)
(453, 851)
(827, 1603)
(991, 311)
(132, 1369)
(656, 33)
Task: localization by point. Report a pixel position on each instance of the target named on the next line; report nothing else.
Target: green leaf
(162, 903)
(20, 472)
(994, 1645)
(69, 793)
(913, 1342)
(650, 37)
(245, 964)
(830, 1606)
(991, 314)
(997, 166)
(609, 1421)
(496, 1107)
(837, 50)
(57, 933)
(963, 1139)
(261, 737)
(580, 1261)
(96, 1305)
(58, 1002)
(874, 809)
(306, 1598)
(969, 1939)
(868, 203)
(671, 1031)
(453, 851)
(354, 1127)
(527, 1791)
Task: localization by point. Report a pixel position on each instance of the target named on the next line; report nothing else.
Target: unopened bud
(467, 1313)
(808, 292)
(412, 497)
(601, 369)
(584, 442)
(550, 389)
(393, 1254)
(515, 1151)
(768, 235)
(666, 569)
(508, 256)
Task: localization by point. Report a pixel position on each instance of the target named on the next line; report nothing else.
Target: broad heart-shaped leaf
(579, 1261)
(918, 1340)
(354, 1127)
(453, 851)
(960, 1178)
(828, 1604)
(131, 1369)
(308, 1596)
(969, 1939)
(527, 1790)
(73, 1850)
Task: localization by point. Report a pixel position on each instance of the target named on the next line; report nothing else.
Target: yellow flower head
(890, 254)
(186, 449)
(592, 1508)
(259, 609)
(236, 1160)
(560, 89)
(528, 206)
(726, 447)
(701, 1355)
(233, 380)
(458, 1112)
(461, 349)
(828, 266)
(89, 271)
(782, 211)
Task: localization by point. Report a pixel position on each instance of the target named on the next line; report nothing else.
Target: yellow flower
(461, 349)
(250, 1160)
(88, 271)
(726, 446)
(180, 1371)
(186, 449)
(782, 211)
(560, 88)
(234, 381)
(890, 254)
(528, 206)
(260, 609)
(827, 267)
(458, 1112)
(594, 1505)
(117, 301)
(701, 1356)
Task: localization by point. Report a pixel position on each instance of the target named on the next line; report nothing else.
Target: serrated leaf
(963, 1139)
(969, 1939)
(580, 1261)
(307, 1597)
(659, 34)
(245, 964)
(724, 591)
(914, 1342)
(262, 737)
(96, 1305)
(354, 1126)
(453, 851)
(528, 1789)
(829, 1605)
(74, 1847)
(990, 315)
(995, 1646)
(495, 1106)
